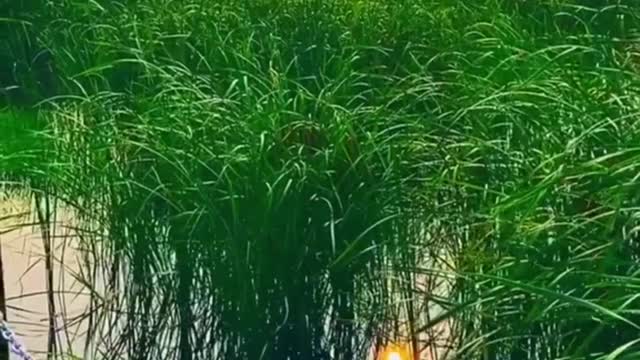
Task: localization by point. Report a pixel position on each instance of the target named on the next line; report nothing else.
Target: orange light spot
(395, 352)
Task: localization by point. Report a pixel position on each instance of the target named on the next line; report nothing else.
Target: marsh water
(25, 278)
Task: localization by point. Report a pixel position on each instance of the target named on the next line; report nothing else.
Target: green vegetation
(265, 178)
(22, 143)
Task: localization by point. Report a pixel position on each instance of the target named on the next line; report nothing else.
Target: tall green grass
(270, 179)
(23, 145)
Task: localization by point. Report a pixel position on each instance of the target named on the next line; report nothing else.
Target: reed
(300, 179)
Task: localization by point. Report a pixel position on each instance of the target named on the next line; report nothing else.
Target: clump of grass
(234, 189)
(272, 180)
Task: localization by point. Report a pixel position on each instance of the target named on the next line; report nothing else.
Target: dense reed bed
(298, 179)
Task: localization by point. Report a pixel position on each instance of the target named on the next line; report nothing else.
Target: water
(25, 280)
(25, 283)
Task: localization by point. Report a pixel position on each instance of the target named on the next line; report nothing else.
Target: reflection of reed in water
(28, 295)
(419, 324)
(47, 306)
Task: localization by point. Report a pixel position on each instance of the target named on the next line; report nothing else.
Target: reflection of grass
(21, 143)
